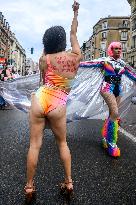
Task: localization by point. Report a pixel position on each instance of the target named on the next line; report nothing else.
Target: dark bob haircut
(54, 40)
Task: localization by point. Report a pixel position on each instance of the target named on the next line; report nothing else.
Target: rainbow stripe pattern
(108, 68)
(50, 98)
(107, 87)
(110, 135)
(91, 64)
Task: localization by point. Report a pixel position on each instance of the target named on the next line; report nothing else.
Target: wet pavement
(98, 178)
(129, 122)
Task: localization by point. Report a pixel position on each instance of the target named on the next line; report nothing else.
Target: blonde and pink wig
(113, 45)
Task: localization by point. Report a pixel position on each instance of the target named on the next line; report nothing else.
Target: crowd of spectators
(8, 73)
(5, 75)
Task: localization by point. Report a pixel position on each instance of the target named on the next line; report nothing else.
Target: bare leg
(112, 105)
(37, 125)
(118, 100)
(110, 128)
(57, 119)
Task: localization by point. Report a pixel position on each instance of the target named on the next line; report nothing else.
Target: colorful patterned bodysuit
(54, 92)
(112, 70)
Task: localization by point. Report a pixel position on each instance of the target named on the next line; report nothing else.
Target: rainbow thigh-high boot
(110, 135)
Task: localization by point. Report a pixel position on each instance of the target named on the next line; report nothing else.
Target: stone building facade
(105, 31)
(10, 49)
(132, 46)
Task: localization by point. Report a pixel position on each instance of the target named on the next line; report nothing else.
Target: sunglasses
(117, 48)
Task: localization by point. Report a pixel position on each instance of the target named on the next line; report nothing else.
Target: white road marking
(130, 136)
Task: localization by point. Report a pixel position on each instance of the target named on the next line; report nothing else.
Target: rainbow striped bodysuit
(112, 70)
(54, 91)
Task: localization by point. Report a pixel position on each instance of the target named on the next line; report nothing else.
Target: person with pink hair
(112, 67)
(111, 49)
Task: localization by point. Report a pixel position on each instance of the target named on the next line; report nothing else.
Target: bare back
(64, 64)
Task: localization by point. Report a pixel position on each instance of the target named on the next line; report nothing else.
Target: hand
(75, 6)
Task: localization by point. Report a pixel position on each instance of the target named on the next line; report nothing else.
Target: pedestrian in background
(6, 74)
(3, 77)
(15, 73)
(58, 69)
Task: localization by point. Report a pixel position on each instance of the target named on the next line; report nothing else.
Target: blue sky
(29, 19)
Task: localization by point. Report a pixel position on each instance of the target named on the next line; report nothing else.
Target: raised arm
(129, 73)
(73, 37)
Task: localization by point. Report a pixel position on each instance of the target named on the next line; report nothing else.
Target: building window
(103, 46)
(102, 54)
(134, 24)
(104, 25)
(133, 42)
(132, 61)
(124, 35)
(123, 55)
(92, 44)
(123, 45)
(125, 23)
(2, 53)
(104, 35)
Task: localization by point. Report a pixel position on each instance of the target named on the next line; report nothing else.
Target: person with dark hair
(54, 40)
(58, 69)
(2, 103)
(112, 68)
(6, 74)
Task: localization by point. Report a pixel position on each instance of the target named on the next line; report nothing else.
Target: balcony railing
(124, 26)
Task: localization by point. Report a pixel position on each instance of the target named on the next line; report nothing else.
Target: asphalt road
(98, 178)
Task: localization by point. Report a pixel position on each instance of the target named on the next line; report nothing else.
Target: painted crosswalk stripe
(130, 136)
